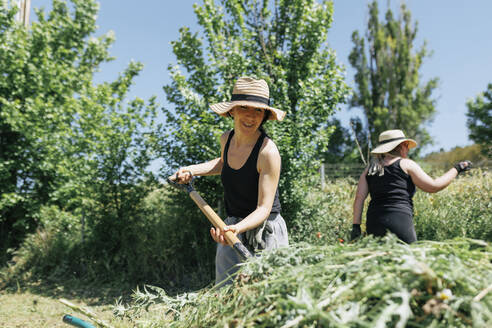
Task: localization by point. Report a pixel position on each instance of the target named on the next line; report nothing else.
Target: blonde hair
(376, 166)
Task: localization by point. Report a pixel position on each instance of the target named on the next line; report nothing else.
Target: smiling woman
(249, 166)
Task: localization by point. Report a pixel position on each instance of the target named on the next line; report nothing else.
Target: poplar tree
(387, 81)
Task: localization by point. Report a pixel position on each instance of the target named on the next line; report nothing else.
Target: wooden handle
(213, 217)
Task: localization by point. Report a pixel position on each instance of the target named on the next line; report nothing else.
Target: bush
(48, 252)
(164, 240)
(167, 243)
(175, 249)
(445, 160)
(326, 218)
(464, 209)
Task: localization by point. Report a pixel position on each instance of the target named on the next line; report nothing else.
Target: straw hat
(249, 92)
(388, 140)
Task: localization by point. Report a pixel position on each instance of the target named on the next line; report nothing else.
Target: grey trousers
(270, 235)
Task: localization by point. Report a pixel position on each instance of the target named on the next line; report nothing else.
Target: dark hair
(265, 118)
(396, 151)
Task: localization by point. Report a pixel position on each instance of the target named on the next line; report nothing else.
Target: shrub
(326, 218)
(444, 160)
(175, 249)
(49, 250)
(464, 209)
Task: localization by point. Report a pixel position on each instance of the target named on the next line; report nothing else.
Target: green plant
(326, 218)
(463, 209)
(372, 283)
(479, 119)
(49, 251)
(66, 141)
(442, 161)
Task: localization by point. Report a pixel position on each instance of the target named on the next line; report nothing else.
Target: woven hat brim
(224, 107)
(387, 147)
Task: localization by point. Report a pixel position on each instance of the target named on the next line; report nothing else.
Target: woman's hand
(463, 166)
(183, 175)
(356, 232)
(218, 234)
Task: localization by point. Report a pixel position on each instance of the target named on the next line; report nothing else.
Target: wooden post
(24, 11)
(322, 174)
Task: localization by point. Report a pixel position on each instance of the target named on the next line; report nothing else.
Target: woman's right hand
(219, 235)
(183, 175)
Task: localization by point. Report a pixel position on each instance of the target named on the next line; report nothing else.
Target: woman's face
(247, 119)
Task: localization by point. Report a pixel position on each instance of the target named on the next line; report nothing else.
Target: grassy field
(38, 305)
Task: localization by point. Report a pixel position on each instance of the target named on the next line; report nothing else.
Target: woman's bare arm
(360, 197)
(423, 180)
(212, 167)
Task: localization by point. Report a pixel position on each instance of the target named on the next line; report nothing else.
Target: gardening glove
(355, 231)
(461, 167)
(255, 238)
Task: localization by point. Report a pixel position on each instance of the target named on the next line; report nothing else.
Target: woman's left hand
(463, 166)
(218, 234)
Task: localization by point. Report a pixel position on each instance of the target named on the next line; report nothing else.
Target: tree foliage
(64, 141)
(280, 41)
(388, 87)
(479, 120)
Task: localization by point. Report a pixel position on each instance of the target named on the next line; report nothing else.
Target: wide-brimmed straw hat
(388, 140)
(249, 92)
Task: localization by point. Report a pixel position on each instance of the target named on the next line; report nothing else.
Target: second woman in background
(390, 179)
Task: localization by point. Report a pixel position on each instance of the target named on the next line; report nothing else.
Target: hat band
(390, 140)
(259, 99)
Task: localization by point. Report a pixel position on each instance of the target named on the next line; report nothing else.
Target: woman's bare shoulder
(269, 148)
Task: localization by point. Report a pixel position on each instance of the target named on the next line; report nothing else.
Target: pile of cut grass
(370, 283)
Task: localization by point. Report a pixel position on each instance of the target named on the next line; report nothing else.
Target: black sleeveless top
(391, 192)
(241, 186)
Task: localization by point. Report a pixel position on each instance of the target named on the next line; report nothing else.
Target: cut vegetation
(371, 283)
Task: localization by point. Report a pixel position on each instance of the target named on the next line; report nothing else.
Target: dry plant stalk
(85, 311)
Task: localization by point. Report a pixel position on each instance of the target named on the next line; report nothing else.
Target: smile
(248, 125)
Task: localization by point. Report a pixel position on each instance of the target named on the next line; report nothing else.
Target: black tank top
(391, 192)
(241, 186)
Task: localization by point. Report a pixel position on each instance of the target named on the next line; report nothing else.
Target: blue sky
(458, 32)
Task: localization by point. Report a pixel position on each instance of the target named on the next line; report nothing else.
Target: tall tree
(283, 42)
(479, 120)
(388, 87)
(64, 140)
